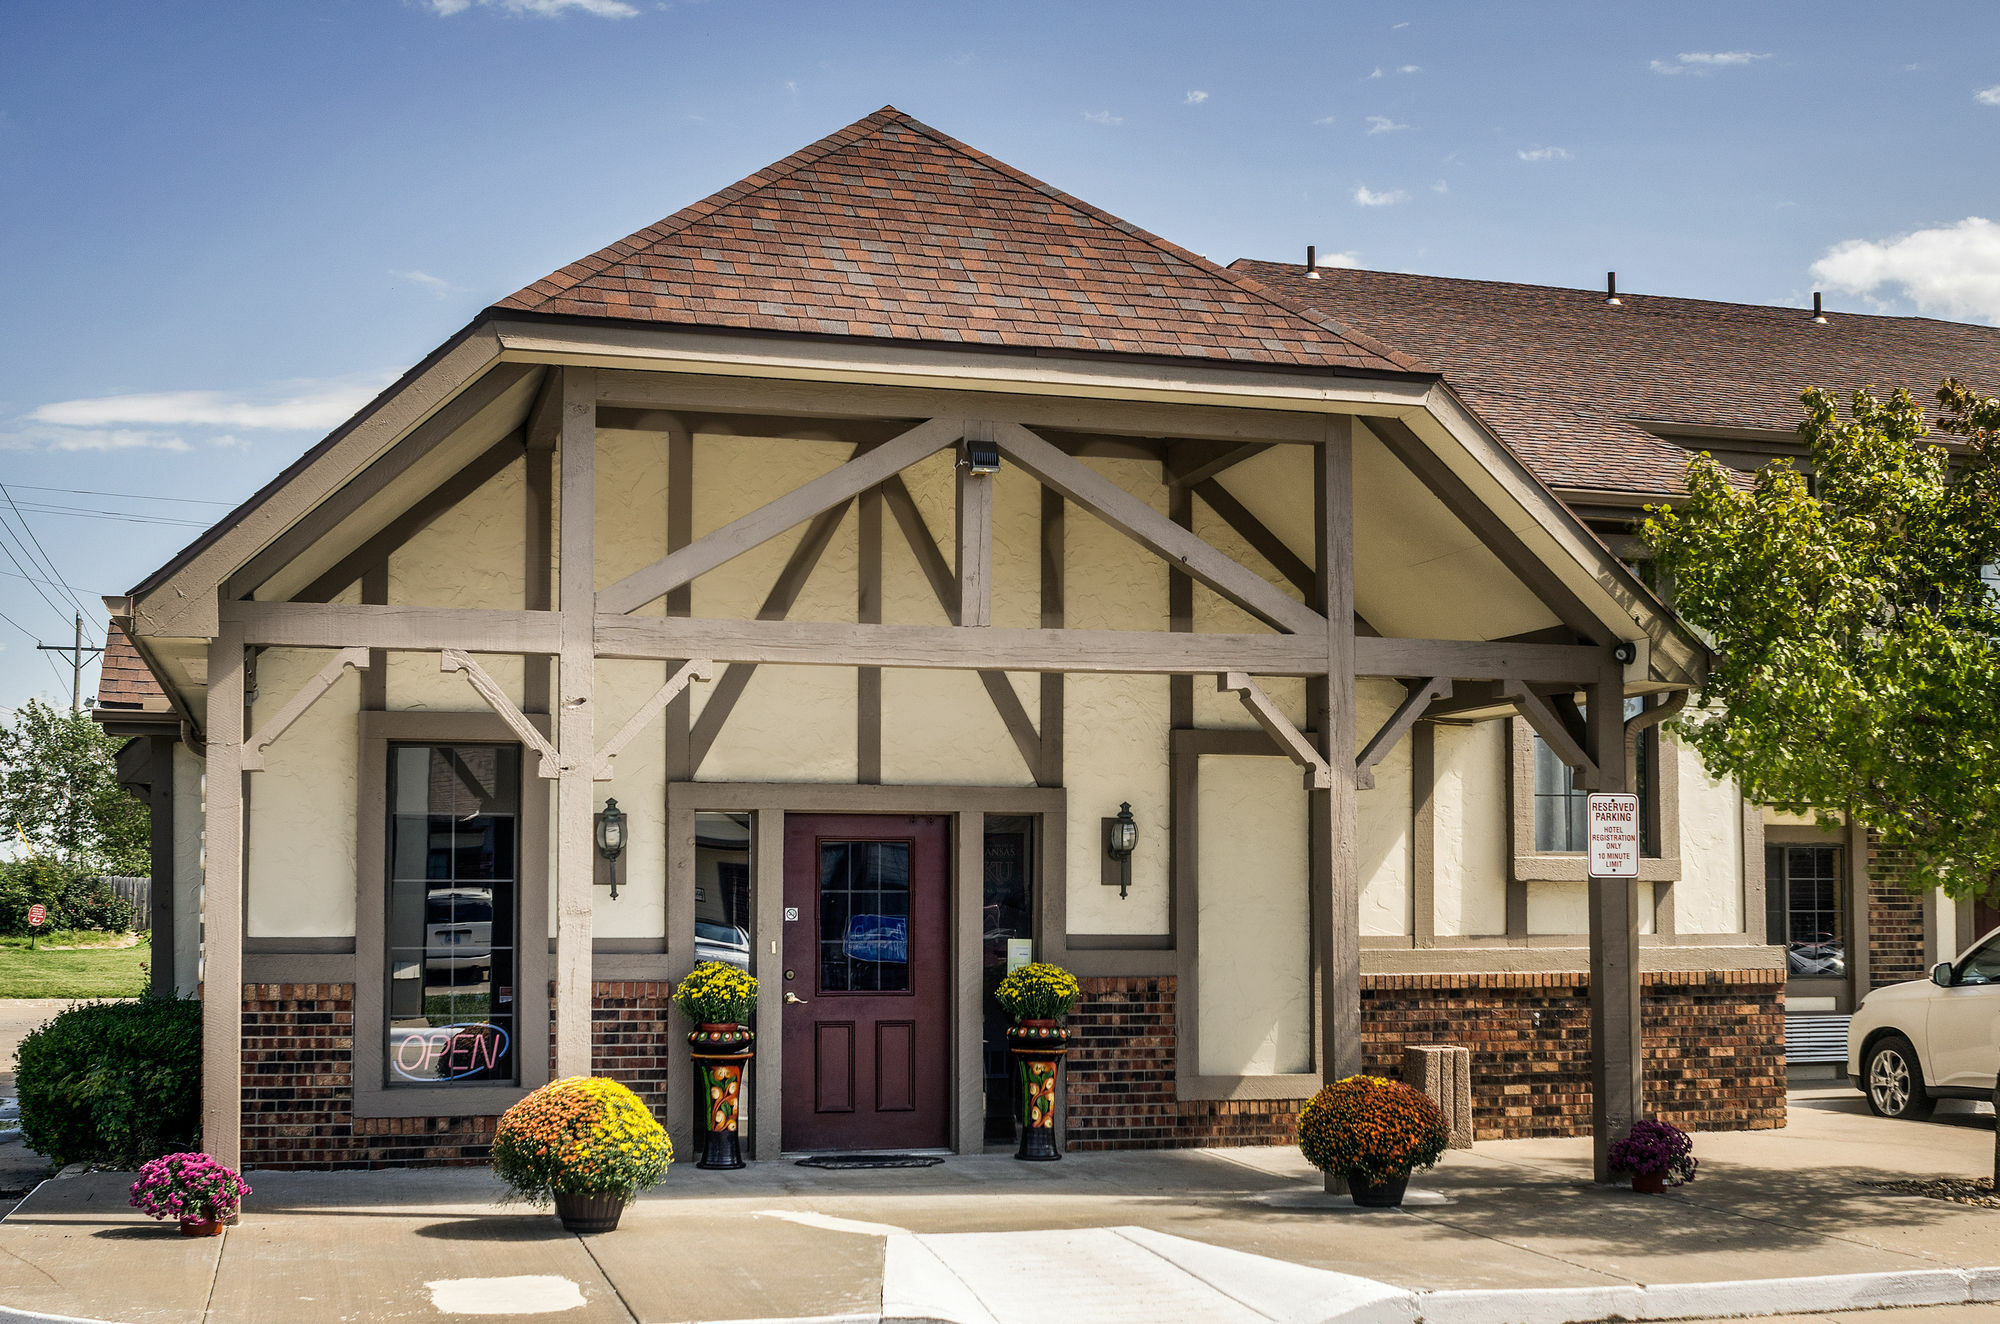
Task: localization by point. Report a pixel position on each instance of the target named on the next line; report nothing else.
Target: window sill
(1550, 867)
(441, 1101)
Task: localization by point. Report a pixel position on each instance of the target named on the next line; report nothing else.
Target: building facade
(874, 533)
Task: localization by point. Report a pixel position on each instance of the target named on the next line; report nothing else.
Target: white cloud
(316, 407)
(1377, 73)
(1351, 258)
(435, 284)
(1383, 124)
(539, 8)
(1196, 98)
(1988, 96)
(1441, 187)
(1951, 270)
(1368, 197)
(1103, 117)
(1543, 153)
(1699, 62)
(38, 436)
(1409, 68)
(1324, 119)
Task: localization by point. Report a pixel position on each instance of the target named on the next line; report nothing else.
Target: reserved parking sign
(1614, 835)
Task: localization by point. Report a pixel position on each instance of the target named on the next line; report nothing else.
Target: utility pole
(76, 653)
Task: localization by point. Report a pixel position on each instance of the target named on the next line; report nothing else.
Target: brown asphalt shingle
(1559, 373)
(889, 229)
(124, 682)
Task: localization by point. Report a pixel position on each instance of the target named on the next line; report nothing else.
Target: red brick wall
(1895, 919)
(298, 1079)
(1714, 1056)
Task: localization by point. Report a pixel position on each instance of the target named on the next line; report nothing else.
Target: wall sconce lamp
(982, 456)
(1121, 837)
(611, 839)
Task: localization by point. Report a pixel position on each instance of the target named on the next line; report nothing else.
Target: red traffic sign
(38, 915)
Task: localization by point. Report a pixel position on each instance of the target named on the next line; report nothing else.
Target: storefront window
(722, 888)
(454, 845)
(1009, 914)
(1804, 913)
(1561, 806)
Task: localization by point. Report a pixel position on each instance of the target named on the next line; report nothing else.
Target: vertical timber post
(575, 733)
(222, 907)
(1617, 1066)
(1336, 916)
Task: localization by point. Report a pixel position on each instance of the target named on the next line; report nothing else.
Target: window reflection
(453, 872)
(722, 888)
(1009, 913)
(864, 917)
(1802, 890)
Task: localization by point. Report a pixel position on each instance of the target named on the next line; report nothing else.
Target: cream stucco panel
(1709, 896)
(639, 783)
(299, 858)
(1255, 1012)
(1558, 907)
(1471, 844)
(940, 728)
(1215, 614)
(473, 555)
(1383, 817)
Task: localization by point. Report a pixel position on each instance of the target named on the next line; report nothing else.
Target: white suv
(1911, 1044)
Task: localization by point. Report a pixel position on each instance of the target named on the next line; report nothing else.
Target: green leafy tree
(59, 789)
(1856, 625)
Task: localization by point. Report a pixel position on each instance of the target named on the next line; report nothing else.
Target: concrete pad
(74, 1247)
(1280, 1291)
(1085, 1274)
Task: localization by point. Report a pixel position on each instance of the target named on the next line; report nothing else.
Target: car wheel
(1894, 1082)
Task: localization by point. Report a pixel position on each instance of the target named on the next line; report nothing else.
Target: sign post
(38, 915)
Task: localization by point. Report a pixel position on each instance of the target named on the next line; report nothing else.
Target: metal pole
(76, 670)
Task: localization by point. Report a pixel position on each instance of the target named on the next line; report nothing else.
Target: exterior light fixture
(1121, 837)
(611, 839)
(982, 456)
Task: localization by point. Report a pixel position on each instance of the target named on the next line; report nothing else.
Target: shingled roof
(1562, 375)
(889, 229)
(125, 683)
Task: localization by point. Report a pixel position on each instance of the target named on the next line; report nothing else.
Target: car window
(1983, 966)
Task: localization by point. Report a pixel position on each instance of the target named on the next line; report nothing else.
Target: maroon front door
(868, 1039)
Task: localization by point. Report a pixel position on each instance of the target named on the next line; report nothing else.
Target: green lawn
(89, 972)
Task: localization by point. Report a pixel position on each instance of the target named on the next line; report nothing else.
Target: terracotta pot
(201, 1227)
(589, 1213)
(1649, 1183)
(1379, 1195)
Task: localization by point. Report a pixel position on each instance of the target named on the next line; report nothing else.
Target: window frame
(373, 1097)
(1663, 801)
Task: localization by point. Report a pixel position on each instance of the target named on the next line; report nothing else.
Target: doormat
(841, 1161)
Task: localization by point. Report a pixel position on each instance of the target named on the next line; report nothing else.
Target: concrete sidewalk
(1220, 1235)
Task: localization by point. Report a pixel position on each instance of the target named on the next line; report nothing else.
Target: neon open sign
(449, 1052)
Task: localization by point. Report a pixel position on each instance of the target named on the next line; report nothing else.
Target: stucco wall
(299, 858)
(1255, 1013)
(1470, 847)
(1709, 896)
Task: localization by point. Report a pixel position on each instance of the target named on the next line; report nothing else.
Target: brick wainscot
(298, 1079)
(1714, 1056)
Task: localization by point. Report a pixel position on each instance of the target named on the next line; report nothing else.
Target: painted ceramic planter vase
(1038, 1046)
(721, 1052)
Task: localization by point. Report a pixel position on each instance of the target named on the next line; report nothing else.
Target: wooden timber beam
(1288, 738)
(857, 431)
(974, 506)
(418, 629)
(544, 426)
(1551, 727)
(1192, 463)
(1462, 659)
(948, 647)
(1155, 532)
(295, 707)
(452, 659)
(416, 519)
(328, 514)
(773, 518)
(1491, 529)
(1258, 534)
(1398, 725)
(693, 670)
(576, 717)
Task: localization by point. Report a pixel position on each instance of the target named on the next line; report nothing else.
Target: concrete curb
(1747, 1297)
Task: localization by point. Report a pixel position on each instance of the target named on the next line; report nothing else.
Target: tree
(59, 788)
(1857, 626)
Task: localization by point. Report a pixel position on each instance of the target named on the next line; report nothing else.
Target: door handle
(793, 1000)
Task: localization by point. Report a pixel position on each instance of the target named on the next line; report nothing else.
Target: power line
(38, 640)
(47, 560)
(130, 496)
(4, 547)
(9, 574)
(126, 516)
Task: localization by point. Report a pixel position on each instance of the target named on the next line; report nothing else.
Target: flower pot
(1379, 1195)
(1649, 1183)
(202, 1227)
(720, 1053)
(1038, 1045)
(594, 1212)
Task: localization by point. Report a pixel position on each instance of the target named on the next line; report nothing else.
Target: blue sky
(222, 226)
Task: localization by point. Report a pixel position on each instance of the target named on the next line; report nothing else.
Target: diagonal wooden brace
(1550, 727)
(697, 669)
(253, 749)
(1398, 726)
(458, 660)
(1319, 774)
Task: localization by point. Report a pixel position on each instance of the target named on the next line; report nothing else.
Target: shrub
(1038, 992)
(1653, 1146)
(584, 1135)
(75, 897)
(89, 903)
(1373, 1129)
(113, 1082)
(715, 993)
(188, 1186)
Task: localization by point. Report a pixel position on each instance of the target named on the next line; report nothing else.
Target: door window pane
(864, 917)
(452, 912)
(1009, 913)
(1560, 804)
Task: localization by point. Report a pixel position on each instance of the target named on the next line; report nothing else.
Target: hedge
(113, 1082)
(75, 898)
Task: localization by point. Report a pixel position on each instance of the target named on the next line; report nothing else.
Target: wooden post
(222, 907)
(868, 610)
(160, 898)
(575, 727)
(680, 601)
(1336, 913)
(1050, 728)
(1617, 1089)
(975, 540)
